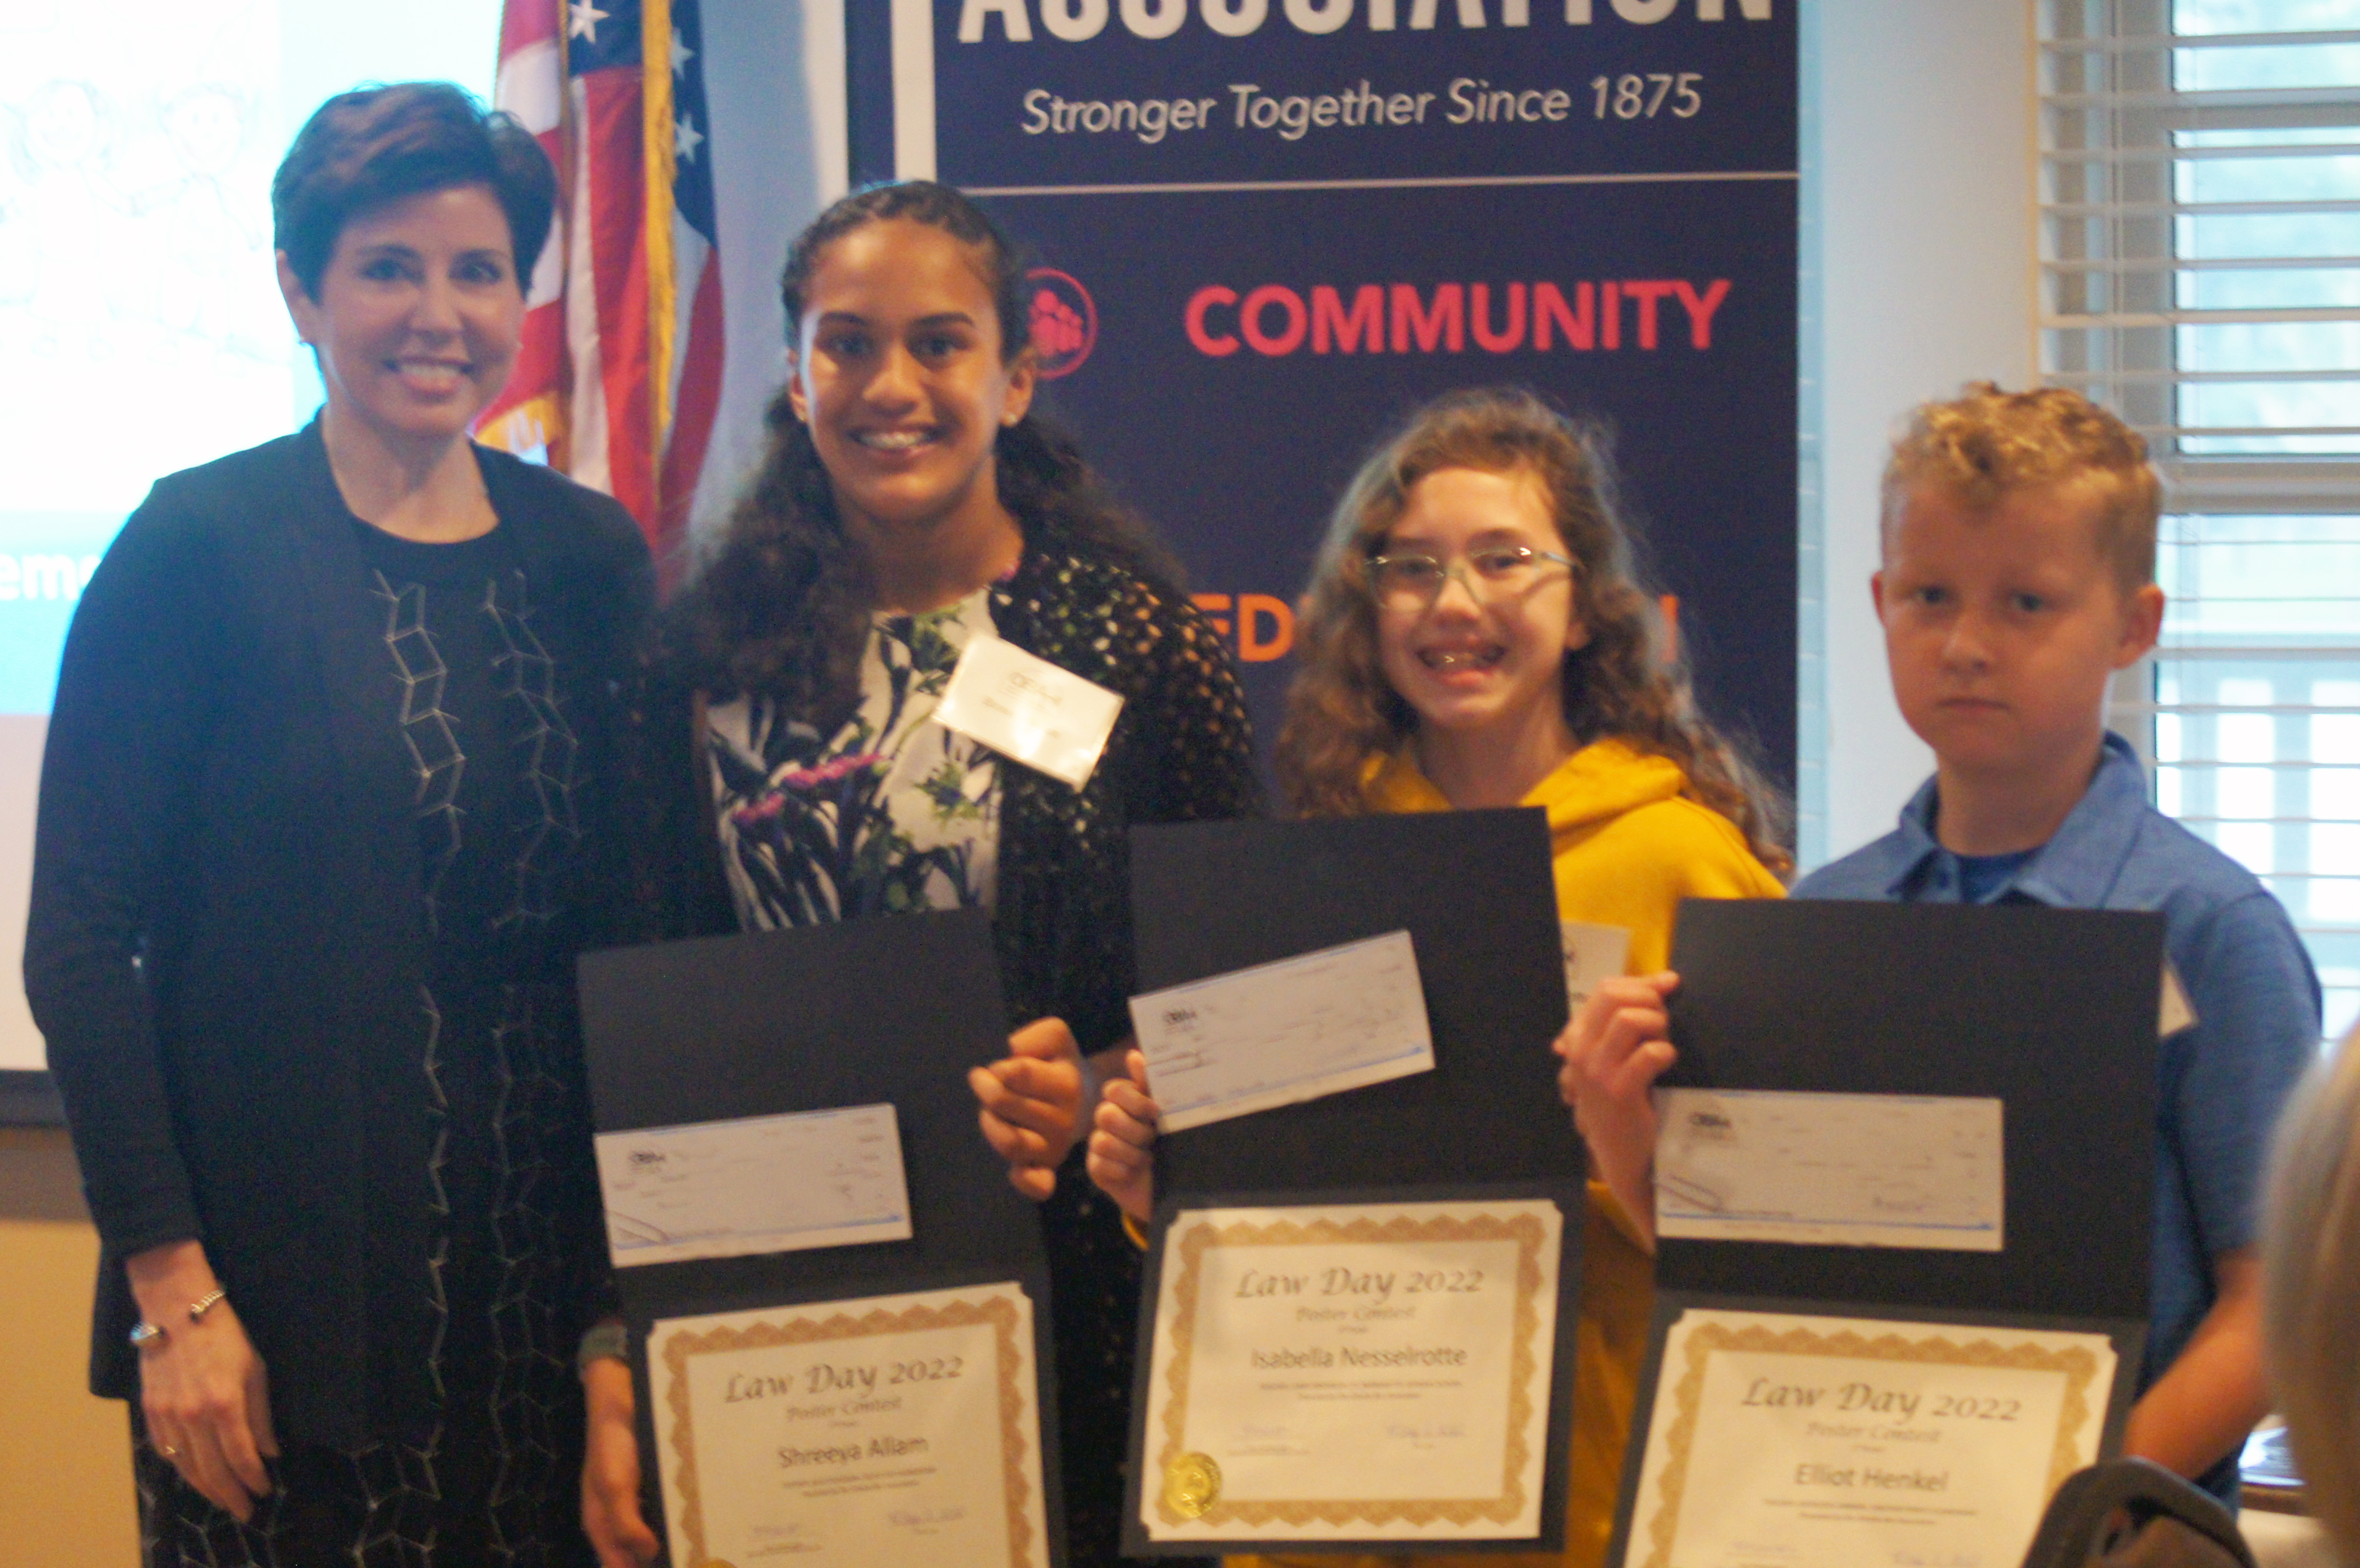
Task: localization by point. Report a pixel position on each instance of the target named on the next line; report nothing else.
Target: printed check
(1833, 1169)
(1281, 1033)
(754, 1185)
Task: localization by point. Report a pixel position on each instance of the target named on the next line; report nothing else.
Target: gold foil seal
(1192, 1485)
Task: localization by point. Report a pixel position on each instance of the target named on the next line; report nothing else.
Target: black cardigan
(226, 946)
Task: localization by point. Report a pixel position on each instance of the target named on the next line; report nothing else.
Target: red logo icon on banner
(1065, 321)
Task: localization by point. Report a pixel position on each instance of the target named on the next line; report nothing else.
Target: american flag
(620, 367)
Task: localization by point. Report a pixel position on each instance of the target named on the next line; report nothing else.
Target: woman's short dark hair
(362, 150)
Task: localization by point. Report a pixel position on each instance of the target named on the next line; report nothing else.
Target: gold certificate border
(998, 1311)
(2079, 1366)
(1197, 1239)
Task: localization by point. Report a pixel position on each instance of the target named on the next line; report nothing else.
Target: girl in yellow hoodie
(1474, 635)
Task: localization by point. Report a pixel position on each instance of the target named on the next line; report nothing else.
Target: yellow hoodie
(1628, 847)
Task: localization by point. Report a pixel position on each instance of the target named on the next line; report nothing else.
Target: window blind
(2199, 190)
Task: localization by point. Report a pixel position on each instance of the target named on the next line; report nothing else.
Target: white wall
(1927, 158)
(21, 736)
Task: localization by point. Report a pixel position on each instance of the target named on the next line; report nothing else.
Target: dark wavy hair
(362, 150)
(1623, 684)
(780, 607)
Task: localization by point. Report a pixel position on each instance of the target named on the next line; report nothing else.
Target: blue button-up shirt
(2222, 1080)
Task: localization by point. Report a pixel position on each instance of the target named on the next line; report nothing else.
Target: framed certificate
(1354, 1374)
(885, 1429)
(1782, 1437)
(844, 1303)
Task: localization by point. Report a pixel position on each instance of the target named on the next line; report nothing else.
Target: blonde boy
(2018, 576)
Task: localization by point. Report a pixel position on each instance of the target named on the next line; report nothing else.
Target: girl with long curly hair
(911, 501)
(1476, 633)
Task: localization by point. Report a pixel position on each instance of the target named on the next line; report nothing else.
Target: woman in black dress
(323, 821)
(911, 501)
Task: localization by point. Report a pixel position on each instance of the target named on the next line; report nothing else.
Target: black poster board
(1476, 892)
(893, 1010)
(2054, 1012)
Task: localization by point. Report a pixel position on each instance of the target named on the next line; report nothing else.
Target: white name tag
(1592, 953)
(1027, 710)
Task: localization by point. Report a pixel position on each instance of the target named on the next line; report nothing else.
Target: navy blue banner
(1270, 228)
(1279, 102)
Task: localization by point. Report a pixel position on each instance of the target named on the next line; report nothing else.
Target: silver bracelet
(144, 1334)
(602, 1342)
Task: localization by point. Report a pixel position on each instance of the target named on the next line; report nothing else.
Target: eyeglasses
(1413, 583)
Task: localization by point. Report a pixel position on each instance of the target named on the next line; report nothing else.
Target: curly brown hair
(780, 608)
(1624, 683)
(1985, 444)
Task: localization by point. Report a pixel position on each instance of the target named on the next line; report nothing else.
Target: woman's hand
(202, 1390)
(1614, 1050)
(610, 1469)
(1123, 1145)
(1032, 1103)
